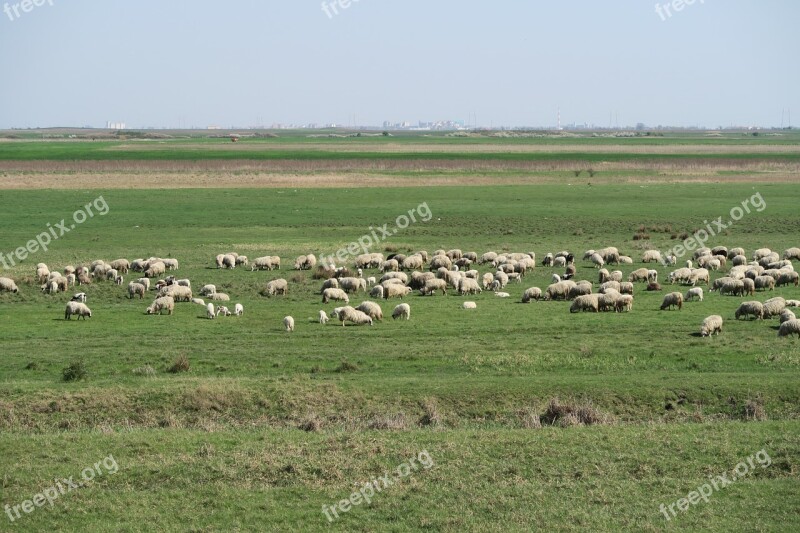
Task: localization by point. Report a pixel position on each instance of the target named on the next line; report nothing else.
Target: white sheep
(468, 286)
(77, 308)
(79, 297)
(323, 317)
(787, 315)
(165, 303)
(288, 323)
(624, 302)
(402, 311)
(469, 305)
(277, 286)
(650, 256)
(502, 295)
(371, 281)
(396, 291)
(220, 297)
(533, 293)
(789, 328)
(371, 309)
(792, 303)
(673, 299)
(555, 278)
(774, 306)
(222, 310)
(746, 309)
(198, 301)
(211, 313)
(711, 325)
(376, 292)
(694, 292)
(334, 294)
(136, 289)
(238, 310)
(348, 314)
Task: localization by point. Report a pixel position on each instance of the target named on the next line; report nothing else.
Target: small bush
(33, 365)
(297, 277)
(181, 364)
(431, 415)
(570, 414)
(76, 371)
(145, 370)
(322, 272)
(577, 173)
(347, 366)
(311, 423)
(591, 172)
(391, 248)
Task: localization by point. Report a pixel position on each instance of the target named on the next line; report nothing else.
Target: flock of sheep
(455, 270)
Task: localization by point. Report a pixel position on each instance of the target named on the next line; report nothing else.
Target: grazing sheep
(616, 285)
(402, 311)
(198, 301)
(502, 295)
(222, 310)
(502, 277)
(488, 257)
(597, 260)
(711, 325)
(792, 253)
(433, 285)
(136, 289)
(178, 293)
(608, 300)
(330, 283)
(788, 278)
(396, 291)
(371, 281)
(238, 310)
(624, 303)
(323, 317)
(555, 278)
(761, 253)
(787, 315)
(350, 285)
(402, 276)
(276, 286)
(792, 303)
(559, 291)
(440, 261)
(122, 265)
(184, 283)
(487, 280)
(335, 294)
(229, 261)
(753, 308)
(581, 288)
(288, 323)
(165, 303)
(625, 260)
(42, 273)
(733, 252)
(390, 265)
(371, 309)
(749, 287)
(171, 264)
(412, 262)
(77, 308)
(533, 293)
(650, 256)
(240, 261)
(155, 269)
(305, 262)
(468, 286)
(673, 299)
(348, 314)
(145, 282)
(719, 282)
(774, 307)
(376, 292)
(210, 312)
(699, 274)
(587, 302)
(640, 274)
(220, 297)
(8, 285)
(789, 328)
(469, 305)
(262, 263)
(734, 287)
(626, 287)
(694, 292)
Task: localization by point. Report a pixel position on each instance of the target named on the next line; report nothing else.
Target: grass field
(267, 427)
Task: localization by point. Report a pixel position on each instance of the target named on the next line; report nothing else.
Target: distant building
(115, 125)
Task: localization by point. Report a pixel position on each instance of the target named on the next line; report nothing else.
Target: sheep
(487, 280)
(624, 303)
(791, 253)
(208, 290)
(608, 300)
(711, 325)
(626, 287)
(210, 312)
(371, 281)
(145, 282)
(624, 260)
(371, 309)
(330, 283)
(161, 304)
(533, 293)
(240, 261)
(350, 285)
(77, 308)
(222, 310)
(739, 260)
(502, 277)
(760, 253)
(488, 257)
(694, 292)
(792, 303)
(276, 286)
(789, 328)
(396, 291)
(171, 264)
(469, 305)
(111, 274)
(749, 287)
(238, 310)
(610, 285)
(597, 260)
(262, 263)
(787, 315)
(579, 289)
(8, 285)
(588, 302)
(733, 252)
(746, 309)
(734, 287)
(652, 276)
(348, 314)
(229, 261)
(122, 265)
(84, 279)
(323, 317)
(650, 256)
(288, 323)
(155, 269)
(440, 261)
(638, 275)
(555, 278)
(433, 285)
(42, 273)
(79, 297)
(412, 262)
(403, 276)
(719, 282)
(559, 291)
(50, 287)
(774, 307)
(390, 265)
(334, 294)
(136, 289)
(787, 278)
(178, 293)
(220, 297)
(468, 286)
(502, 295)
(673, 299)
(700, 274)
(376, 292)
(198, 301)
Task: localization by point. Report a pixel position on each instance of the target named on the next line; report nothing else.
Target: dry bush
(571, 414)
(529, 418)
(311, 423)
(431, 415)
(297, 277)
(181, 364)
(322, 272)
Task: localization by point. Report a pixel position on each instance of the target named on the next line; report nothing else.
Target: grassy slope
(481, 372)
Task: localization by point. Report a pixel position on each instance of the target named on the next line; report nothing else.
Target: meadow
(266, 426)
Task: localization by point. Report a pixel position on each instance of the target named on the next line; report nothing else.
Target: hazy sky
(511, 62)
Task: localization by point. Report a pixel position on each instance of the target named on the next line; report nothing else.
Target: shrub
(76, 371)
(181, 364)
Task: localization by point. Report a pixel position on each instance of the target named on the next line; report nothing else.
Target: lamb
(359, 318)
(673, 299)
(792, 253)
(276, 286)
(787, 315)
(789, 328)
(774, 307)
(711, 325)
(376, 292)
(639, 275)
(136, 289)
(402, 311)
(335, 294)
(650, 256)
(502, 295)
(624, 303)
(468, 286)
(555, 278)
(77, 308)
(371, 281)
(198, 301)
(238, 310)
(79, 297)
(588, 302)
(433, 285)
(210, 313)
(323, 317)
(371, 309)
(288, 323)
(694, 292)
(220, 297)
(155, 269)
(222, 310)
(746, 309)
(792, 303)
(469, 305)
(396, 291)
(533, 293)
(8, 285)
(165, 303)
